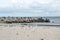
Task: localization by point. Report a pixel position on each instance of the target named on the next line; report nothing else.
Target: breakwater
(22, 19)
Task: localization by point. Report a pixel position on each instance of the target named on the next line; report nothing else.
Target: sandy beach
(26, 32)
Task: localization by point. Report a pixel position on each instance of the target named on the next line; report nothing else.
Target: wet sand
(25, 32)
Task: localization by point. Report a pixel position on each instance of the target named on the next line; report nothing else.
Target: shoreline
(30, 24)
(24, 24)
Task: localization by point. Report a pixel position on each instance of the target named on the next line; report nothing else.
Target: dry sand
(29, 33)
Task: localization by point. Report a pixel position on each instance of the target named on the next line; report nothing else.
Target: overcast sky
(29, 7)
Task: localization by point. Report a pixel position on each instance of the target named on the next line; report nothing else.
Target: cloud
(30, 7)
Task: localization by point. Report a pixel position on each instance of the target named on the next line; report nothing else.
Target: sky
(30, 8)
